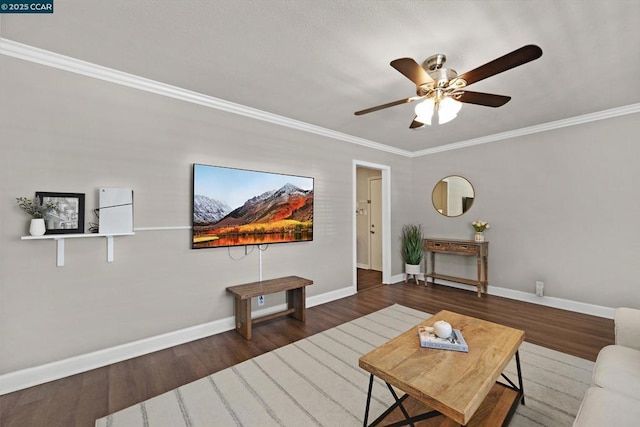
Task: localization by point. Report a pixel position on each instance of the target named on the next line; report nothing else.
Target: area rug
(317, 382)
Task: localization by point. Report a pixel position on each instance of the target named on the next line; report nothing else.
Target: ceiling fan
(442, 89)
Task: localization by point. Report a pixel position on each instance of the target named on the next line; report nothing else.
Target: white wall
(563, 207)
(69, 133)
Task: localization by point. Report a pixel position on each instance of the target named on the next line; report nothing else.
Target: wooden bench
(296, 307)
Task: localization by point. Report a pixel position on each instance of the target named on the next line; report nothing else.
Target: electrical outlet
(261, 300)
(540, 288)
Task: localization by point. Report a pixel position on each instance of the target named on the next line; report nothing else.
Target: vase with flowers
(480, 227)
(37, 210)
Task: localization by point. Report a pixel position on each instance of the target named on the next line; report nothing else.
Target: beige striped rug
(317, 382)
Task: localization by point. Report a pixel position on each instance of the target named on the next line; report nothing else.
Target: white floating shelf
(60, 238)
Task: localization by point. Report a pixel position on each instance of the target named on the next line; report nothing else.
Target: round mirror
(452, 196)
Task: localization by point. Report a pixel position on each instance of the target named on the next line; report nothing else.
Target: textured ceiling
(319, 61)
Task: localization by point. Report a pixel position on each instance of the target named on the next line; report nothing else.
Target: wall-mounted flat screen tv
(237, 207)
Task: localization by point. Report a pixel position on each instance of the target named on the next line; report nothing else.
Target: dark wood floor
(81, 399)
(368, 279)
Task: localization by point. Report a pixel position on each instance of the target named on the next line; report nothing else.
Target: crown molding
(50, 59)
(44, 57)
(558, 124)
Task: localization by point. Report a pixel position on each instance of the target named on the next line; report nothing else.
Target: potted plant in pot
(412, 250)
(37, 211)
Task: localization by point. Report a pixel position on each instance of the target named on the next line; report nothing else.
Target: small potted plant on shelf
(412, 250)
(37, 211)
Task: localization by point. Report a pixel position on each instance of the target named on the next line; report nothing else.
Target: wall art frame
(69, 217)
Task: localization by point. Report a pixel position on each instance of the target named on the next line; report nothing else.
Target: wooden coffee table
(450, 383)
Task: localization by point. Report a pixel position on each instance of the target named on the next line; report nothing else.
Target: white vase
(37, 228)
(479, 237)
(412, 269)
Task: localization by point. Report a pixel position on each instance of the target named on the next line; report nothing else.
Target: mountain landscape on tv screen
(276, 216)
(207, 210)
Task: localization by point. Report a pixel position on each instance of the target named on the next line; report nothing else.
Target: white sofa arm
(627, 327)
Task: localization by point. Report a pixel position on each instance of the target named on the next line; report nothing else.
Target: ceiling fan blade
(510, 60)
(415, 124)
(390, 104)
(486, 99)
(411, 70)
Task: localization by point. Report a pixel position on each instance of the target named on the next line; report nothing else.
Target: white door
(375, 224)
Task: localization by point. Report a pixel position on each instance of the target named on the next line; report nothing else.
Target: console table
(459, 247)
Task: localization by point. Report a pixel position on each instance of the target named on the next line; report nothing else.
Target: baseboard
(400, 278)
(564, 304)
(331, 296)
(363, 266)
(29, 377)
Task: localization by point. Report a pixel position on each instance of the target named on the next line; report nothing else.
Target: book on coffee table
(429, 339)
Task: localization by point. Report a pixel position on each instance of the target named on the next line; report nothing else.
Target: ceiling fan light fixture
(443, 90)
(424, 111)
(448, 109)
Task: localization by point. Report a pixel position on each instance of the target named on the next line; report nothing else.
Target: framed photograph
(69, 215)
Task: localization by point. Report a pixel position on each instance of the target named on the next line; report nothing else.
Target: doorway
(371, 225)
